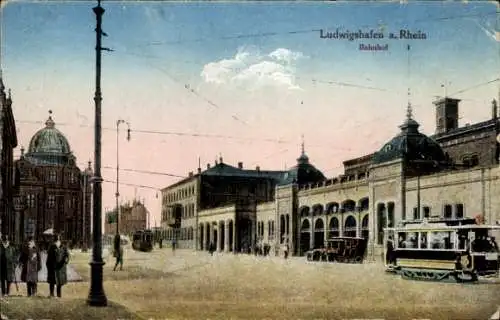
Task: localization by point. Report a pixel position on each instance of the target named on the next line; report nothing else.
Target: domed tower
(49, 146)
(419, 152)
(304, 172)
(57, 193)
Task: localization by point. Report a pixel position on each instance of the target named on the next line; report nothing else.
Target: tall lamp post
(96, 296)
(117, 194)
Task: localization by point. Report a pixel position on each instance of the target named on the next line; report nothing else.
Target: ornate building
(8, 142)
(56, 193)
(454, 174)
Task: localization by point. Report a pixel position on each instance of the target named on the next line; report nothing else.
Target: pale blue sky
(48, 61)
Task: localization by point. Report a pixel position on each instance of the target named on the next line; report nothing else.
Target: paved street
(196, 285)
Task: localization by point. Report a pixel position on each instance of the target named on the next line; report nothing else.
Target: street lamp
(96, 296)
(117, 194)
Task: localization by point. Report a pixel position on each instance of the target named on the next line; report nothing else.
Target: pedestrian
(174, 244)
(286, 250)
(57, 261)
(31, 264)
(211, 248)
(118, 252)
(389, 256)
(7, 265)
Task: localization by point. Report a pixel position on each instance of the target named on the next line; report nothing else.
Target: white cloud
(252, 70)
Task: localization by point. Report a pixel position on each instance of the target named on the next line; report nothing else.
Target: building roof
(411, 145)
(303, 172)
(49, 145)
(222, 169)
(467, 129)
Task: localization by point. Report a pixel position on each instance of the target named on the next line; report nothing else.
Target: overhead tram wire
(175, 133)
(193, 91)
(133, 185)
(313, 80)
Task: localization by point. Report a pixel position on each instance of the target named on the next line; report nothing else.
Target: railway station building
(453, 174)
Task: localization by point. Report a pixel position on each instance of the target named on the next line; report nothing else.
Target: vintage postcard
(250, 159)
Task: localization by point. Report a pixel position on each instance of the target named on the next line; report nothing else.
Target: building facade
(54, 193)
(453, 174)
(133, 217)
(8, 142)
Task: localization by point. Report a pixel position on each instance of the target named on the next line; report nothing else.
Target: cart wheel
(358, 259)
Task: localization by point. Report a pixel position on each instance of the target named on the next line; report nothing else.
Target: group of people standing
(29, 259)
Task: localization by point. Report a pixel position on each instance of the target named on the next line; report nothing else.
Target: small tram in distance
(142, 240)
(443, 250)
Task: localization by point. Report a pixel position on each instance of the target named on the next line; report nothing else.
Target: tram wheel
(465, 276)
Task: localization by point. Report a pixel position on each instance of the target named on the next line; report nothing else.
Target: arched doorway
(334, 228)
(305, 236)
(207, 236)
(231, 242)
(364, 227)
(222, 235)
(319, 233)
(202, 236)
(350, 227)
(215, 237)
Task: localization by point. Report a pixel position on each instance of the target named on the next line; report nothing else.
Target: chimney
(220, 160)
(257, 168)
(199, 170)
(494, 109)
(190, 174)
(240, 165)
(446, 114)
(208, 165)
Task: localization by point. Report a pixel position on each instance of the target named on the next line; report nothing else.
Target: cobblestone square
(196, 285)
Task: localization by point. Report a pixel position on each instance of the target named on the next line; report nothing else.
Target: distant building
(453, 174)
(133, 217)
(53, 192)
(8, 142)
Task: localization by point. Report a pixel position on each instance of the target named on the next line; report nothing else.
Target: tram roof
(440, 226)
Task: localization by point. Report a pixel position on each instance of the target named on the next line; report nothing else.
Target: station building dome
(411, 145)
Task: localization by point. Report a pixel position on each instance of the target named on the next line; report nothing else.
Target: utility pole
(117, 194)
(97, 297)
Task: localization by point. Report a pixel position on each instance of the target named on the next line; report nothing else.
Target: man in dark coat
(57, 261)
(31, 265)
(7, 265)
(118, 252)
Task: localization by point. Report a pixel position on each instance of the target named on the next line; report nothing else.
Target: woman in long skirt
(31, 265)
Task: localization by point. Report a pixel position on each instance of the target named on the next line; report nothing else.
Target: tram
(142, 240)
(443, 250)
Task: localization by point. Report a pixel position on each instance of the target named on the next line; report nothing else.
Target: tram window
(423, 240)
(412, 240)
(401, 240)
(449, 241)
(462, 240)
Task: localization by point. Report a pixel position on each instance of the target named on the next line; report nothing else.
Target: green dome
(412, 144)
(49, 145)
(303, 173)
